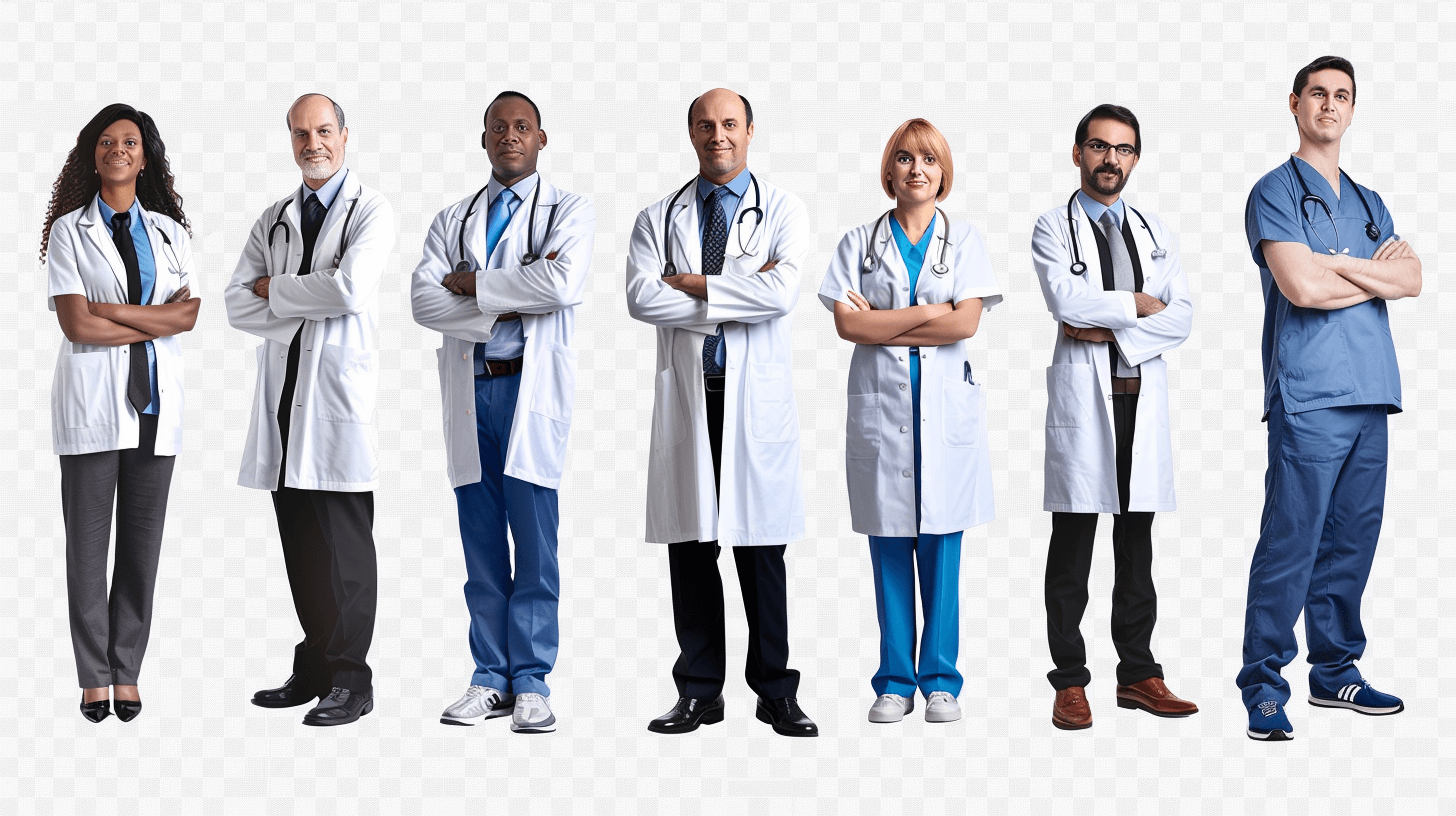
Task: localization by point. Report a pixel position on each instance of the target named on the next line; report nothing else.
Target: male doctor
(715, 267)
(1115, 286)
(502, 273)
(306, 284)
(1328, 261)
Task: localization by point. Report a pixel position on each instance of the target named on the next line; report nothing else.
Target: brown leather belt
(507, 316)
(1126, 385)
(501, 368)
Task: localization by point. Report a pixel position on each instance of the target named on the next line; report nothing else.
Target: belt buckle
(711, 380)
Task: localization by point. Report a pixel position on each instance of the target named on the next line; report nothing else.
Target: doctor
(1117, 291)
(306, 284)
(715, 267)
(1329, 259)
(115, 246)
(502, 272)
(908, 289)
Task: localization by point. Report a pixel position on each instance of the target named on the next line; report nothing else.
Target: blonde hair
(918, 137)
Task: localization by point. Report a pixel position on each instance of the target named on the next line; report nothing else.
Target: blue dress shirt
(148, 266)
(728, 202)
(508, 341)
(1095, 208)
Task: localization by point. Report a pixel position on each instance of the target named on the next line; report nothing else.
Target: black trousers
(697, 605)
(328, 549)
(1134, 599)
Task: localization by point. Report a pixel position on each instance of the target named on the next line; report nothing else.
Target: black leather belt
(714, 383)
(1126, 385)
(501, 368)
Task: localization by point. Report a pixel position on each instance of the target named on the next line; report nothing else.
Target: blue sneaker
(1267, 722)
(1359, 697)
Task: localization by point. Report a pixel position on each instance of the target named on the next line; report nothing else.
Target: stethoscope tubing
(669, 268)
(872, 255)
(1079, 267)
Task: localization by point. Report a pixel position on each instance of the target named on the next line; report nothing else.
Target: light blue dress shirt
(728, 202)
(327, 193)
(1095, 208)
(148, 266)
(509, 340)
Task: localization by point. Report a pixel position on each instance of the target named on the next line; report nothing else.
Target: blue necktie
(496, 220)
(715, 241)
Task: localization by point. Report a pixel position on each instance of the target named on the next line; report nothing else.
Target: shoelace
(894, 698)
(941, 696)
(338, 695)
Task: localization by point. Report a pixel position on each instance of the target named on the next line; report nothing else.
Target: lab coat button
(903, 386)
(905, 473)
(904, 288)
(904, 429)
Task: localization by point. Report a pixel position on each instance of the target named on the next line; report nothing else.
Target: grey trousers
(109, 630)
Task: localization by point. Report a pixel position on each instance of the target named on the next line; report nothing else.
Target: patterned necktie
(715, 241)
(1122, 277)
(139, 383)
(313, 219)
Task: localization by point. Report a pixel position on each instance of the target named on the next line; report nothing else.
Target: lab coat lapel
(96, 231)
(162, 264)
(898, 273)
(333, 222)
(740, 228)
(686, 237)
(513, 241)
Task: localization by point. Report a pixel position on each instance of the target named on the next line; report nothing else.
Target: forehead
(917, 142)
(510, 109)
(1330, 79)
(716, 107)
(121, 129)
(1111, 131)
(313, 112)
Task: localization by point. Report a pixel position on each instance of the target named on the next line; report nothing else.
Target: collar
(521, 190)
(327, 193)
(738, 186)
(1095, 208)
(106, 212)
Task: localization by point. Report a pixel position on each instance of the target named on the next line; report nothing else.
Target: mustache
(1108, 168)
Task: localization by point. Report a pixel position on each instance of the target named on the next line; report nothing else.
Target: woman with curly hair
(115, 245)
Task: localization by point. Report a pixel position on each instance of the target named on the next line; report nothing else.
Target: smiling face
(119, 154)
(915, 179)
(720, 134)
(1323, 110)
(512, 139)
(318, 141)
(1105, 170)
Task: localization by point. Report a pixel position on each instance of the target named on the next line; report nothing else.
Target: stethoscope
(872, 258)
(176, 263)
(1372, 231)
(1080, 268)
(344, 236)
(669, 269)
(531, 255)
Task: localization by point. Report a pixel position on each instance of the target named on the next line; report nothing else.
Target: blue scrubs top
(1320, 358)
(148, 266)
(914, 257)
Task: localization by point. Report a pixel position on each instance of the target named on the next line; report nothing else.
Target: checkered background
(829, 81)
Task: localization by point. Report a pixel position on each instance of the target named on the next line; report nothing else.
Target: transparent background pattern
(1006, 82)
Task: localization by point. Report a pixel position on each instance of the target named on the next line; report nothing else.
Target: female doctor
(908, 289)
(116, 253)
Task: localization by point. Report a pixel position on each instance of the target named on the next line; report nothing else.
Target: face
(512, 139)
(720, 135)
(1104, 169)
(915, 179)
(318, 141)
(1324, 108)
(119, 155)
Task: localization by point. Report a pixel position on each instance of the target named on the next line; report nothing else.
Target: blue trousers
(895, 562)
(1324, 495)
(513, 623)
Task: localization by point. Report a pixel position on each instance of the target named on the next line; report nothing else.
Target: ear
(344, 132)
(1294, 104)
(1077, 155)
(749, 132)
(483, 134)
(542, 134)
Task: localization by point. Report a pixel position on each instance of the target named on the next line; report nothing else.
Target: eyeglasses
(1098, 147)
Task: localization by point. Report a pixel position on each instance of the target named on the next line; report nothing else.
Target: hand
(185, 293)
(858, 302)
(260, 287)
(766, 267)
(461, 283)
(1092, 335)
(1392, 250)
(1147, 305)
(695, 285)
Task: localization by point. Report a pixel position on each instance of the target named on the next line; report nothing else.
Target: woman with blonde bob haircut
(908, 290)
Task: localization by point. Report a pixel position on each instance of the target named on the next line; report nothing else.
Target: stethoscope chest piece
(462, 266)
(1160, 253)
(1372, 231)
(940, 270)
(1079, 268)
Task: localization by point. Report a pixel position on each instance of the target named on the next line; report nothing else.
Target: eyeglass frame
(1123, 150)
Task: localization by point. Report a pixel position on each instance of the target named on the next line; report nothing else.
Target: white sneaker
(941, 707)
(480, 703)
(533, 715)
(890, 708)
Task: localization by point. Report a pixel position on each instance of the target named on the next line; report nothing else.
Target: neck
(1101, 198)
(723, 178)
(119, 197)
(509, 181)
(914, 217)
(1324, 157)
(318, 184)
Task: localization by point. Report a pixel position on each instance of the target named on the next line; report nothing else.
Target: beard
(1095, 182)
(319, 170)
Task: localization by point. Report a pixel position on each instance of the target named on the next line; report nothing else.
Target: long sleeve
(546, 285)
(746, 295)
(1166, 330)
(436, 307)
(245, 310)
(648, 298)
(351, 287)
(1068, 299)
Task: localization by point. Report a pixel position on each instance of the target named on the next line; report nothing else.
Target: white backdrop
(829, 81)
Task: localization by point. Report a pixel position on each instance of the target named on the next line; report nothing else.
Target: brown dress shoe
(1070, 712)
(1152, 696)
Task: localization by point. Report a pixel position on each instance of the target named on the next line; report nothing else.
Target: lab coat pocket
(771, 414)
(1070, 388)
(862, 427)
(555, 384)
(1315, 364)
(961, 413)
(83, 395)
(346, 385)
(669, 420)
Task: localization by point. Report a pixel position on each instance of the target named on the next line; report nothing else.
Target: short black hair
(747, 110)
(1117, 113)
(338, 111)
(516, 95)
(1301, 79)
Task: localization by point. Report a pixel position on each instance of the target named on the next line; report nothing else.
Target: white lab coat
(761, 501)
(331, 438)
(545, 293)
(1081, 451)
(90, 411)
(880, 448)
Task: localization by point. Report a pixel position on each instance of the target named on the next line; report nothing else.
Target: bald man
(306, 284)
(715, 269)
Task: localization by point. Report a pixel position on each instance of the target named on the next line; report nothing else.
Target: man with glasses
(1117, 291)
(1328, 261)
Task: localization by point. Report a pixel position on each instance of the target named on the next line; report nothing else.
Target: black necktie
(715, 242)
(313, 218)
(139, 384)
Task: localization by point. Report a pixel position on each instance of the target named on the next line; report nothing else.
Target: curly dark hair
(79, 183)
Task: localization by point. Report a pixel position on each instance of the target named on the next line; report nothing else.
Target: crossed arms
(1316, 281)
(931, 324)
(121, 324)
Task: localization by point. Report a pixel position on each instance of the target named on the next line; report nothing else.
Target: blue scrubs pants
(513, 623)
(895, 562)
(1324, 495)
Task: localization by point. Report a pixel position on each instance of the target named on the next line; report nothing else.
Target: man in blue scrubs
(1328, 260)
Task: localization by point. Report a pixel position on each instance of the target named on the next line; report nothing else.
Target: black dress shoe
(786, 717)
(290, 694)
(341, 707)
(127, 710)
(97, 711)
(687, 714)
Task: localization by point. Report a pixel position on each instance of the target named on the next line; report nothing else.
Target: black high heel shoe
(127, 710)
(98, 710)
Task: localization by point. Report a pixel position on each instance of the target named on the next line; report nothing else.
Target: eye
(929, 160)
